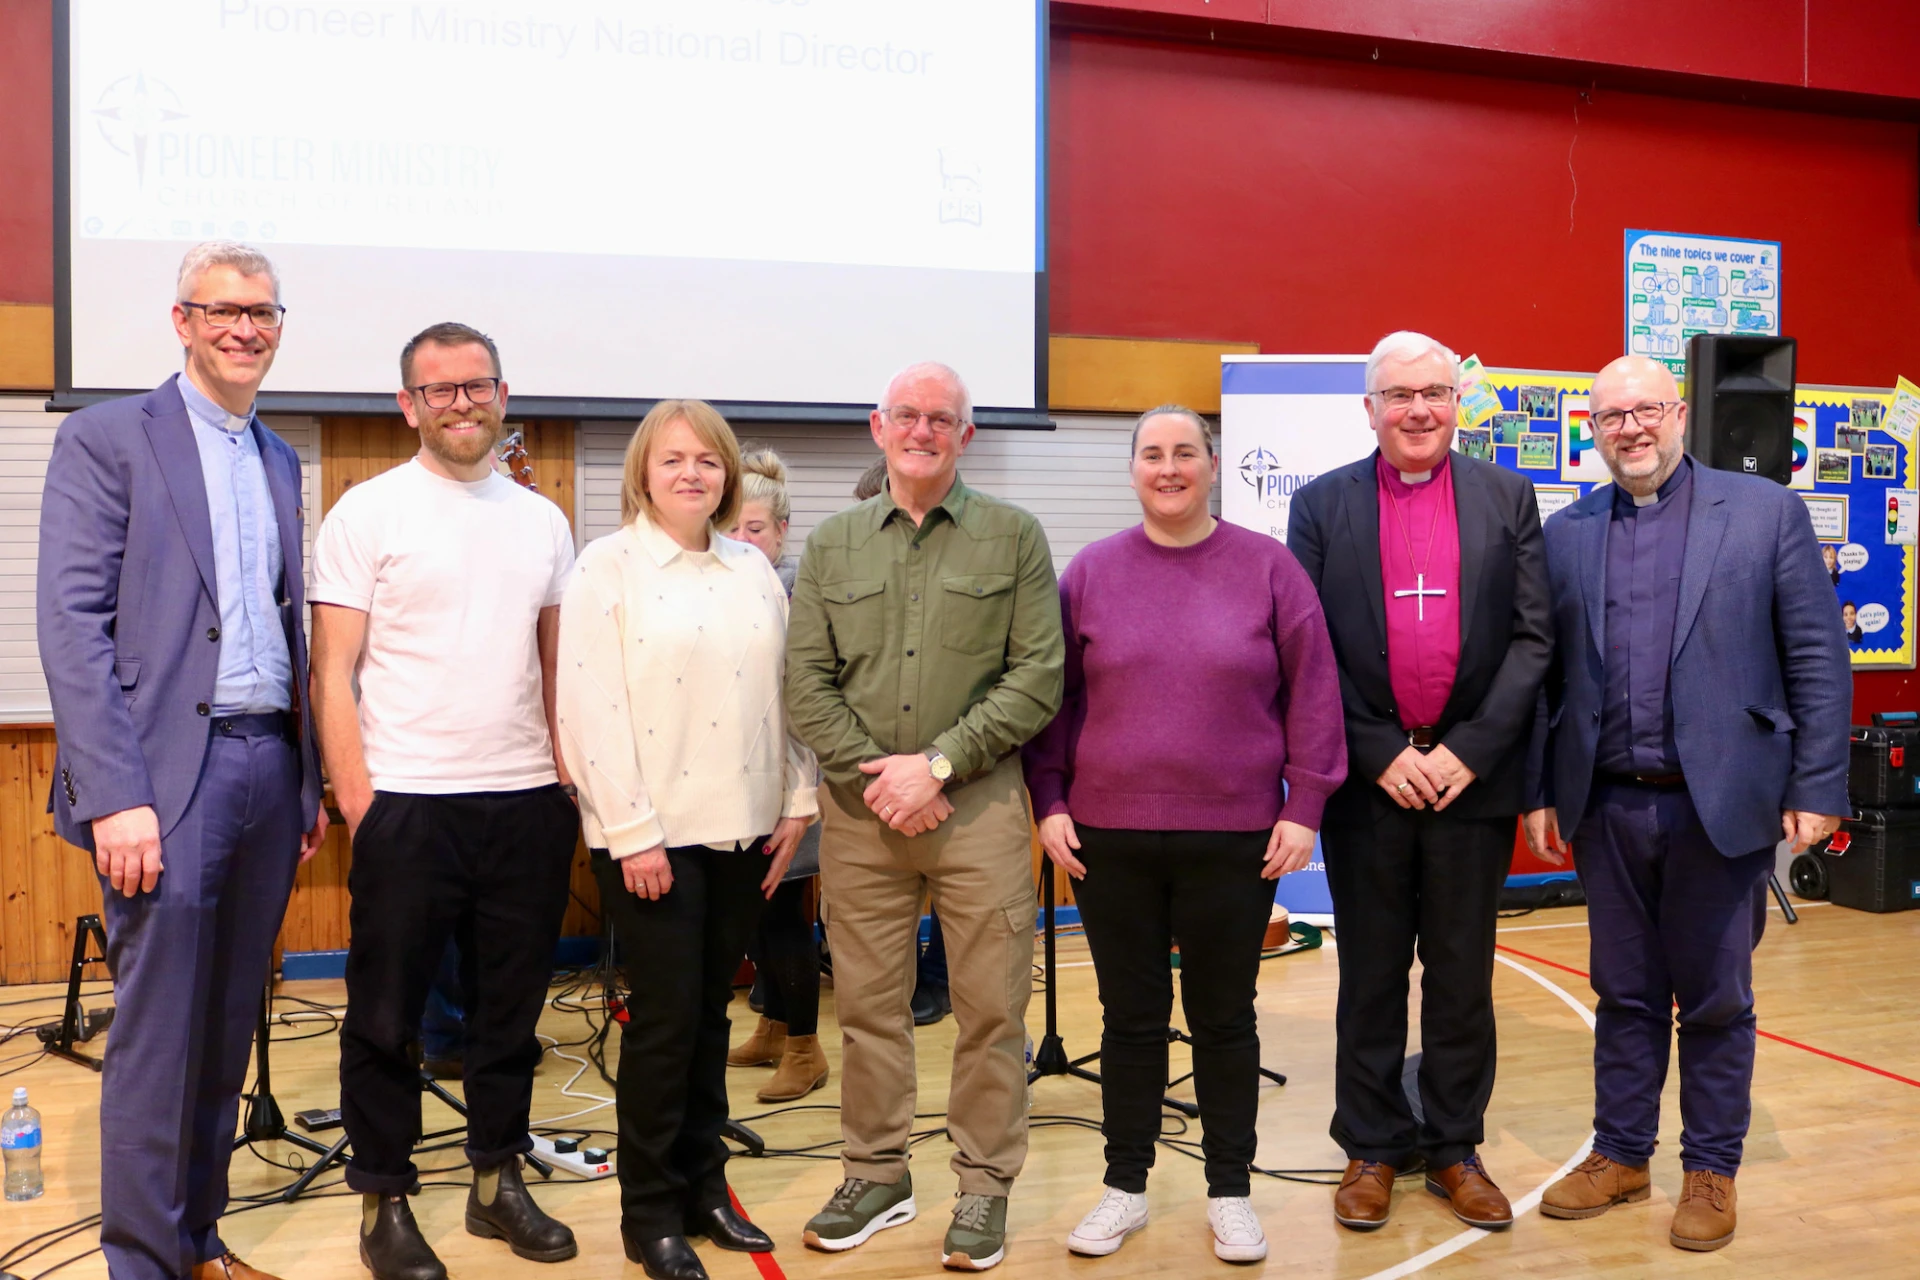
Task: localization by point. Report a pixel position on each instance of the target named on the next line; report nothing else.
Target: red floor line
(769, 1269)
(1779, 1039)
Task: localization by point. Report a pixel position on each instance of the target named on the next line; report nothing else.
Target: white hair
(932, 369)
(244, 258)
(1408, 345)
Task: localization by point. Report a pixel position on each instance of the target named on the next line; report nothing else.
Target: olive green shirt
(944, 637)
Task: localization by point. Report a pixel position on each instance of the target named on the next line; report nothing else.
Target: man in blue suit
(1695, 713)
(169, 611)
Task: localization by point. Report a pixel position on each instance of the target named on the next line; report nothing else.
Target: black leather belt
(260, 724)
(1662, 781)
(1424, 737)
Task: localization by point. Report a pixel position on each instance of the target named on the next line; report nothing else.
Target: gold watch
(939, 766)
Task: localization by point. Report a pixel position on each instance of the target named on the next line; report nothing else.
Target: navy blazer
(127, 612)
(1333, 530)
(1761, 684)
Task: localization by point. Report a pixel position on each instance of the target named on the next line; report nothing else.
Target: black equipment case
(1883, 767)
(1873, 861)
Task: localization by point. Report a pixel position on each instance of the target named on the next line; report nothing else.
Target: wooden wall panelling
(45, 882)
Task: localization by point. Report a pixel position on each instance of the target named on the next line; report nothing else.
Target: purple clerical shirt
(1420, 551)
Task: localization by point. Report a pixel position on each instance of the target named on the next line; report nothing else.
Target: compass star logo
(129, 111)
(1256, 466)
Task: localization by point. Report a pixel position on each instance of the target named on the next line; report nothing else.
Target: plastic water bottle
(20, 1136)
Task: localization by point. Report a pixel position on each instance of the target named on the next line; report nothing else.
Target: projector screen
(750, 201)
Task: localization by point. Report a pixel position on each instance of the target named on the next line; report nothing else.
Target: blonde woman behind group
(783, 950)
(672, 652)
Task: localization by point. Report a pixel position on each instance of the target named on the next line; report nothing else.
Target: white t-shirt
(452, 577)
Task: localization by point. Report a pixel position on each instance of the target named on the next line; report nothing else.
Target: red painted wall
(1311, 205)
(26, 151)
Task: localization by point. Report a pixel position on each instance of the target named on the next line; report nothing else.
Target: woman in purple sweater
(1200, 737)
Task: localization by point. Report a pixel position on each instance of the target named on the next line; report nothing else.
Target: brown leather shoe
(1475, 1199)
(1705, 1218)
(763, 1048)
(1365, 1195)
(803, 1068)
(1595, 1186)
(228, 1267)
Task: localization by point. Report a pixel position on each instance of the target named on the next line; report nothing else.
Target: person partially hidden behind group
(786, 959)
(1199, 738)
(673, 644)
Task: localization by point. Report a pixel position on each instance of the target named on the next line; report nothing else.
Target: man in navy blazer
(1696, 711)
(169, 611)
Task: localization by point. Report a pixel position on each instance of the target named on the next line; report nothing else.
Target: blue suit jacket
(1761, 684)
(128, 613)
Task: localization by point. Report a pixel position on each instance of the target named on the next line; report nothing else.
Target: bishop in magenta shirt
(1420, 556)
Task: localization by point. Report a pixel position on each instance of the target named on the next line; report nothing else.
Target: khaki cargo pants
(978, 866)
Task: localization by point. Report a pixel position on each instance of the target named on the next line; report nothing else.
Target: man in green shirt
(924, 649)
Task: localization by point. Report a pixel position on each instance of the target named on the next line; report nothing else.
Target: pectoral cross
(1421, 591)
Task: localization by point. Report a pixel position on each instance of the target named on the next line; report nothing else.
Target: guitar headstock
(513, 456)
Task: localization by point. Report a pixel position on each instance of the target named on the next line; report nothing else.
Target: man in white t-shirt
(437, 585)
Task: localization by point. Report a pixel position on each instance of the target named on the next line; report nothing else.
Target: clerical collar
(1416, 477)
(203, 407)
(1666, 488)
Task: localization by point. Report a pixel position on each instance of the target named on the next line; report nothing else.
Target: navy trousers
(1673, 921)
(189, 963)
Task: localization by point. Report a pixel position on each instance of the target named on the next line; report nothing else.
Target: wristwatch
(938, 765)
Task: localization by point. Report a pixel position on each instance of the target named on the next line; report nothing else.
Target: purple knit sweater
(1198, 679)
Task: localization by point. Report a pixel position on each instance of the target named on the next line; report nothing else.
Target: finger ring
(1399, 786)
(884, 812)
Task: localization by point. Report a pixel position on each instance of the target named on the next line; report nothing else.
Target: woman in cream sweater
(672, 642)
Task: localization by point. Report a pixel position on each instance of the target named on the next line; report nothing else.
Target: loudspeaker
(1740, 404)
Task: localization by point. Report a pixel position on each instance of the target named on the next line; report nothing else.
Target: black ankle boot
(515, 1218)
(394, 1249)
(663, 1258)
(729, 1230)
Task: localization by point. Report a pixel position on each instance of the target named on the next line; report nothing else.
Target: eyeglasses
(441, 395)
(1648, 415)
(906, 417)
(1436, 395)
(225, 315)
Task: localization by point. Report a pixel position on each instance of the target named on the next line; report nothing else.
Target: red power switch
(1897, 757)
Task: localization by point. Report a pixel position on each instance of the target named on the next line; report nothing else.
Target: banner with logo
(1283, 421)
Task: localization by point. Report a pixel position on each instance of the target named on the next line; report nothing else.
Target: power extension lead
(571, 1161)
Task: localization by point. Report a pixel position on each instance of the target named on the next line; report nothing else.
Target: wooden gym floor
(1831, 1185)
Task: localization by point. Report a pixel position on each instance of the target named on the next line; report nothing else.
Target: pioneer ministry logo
(129, 112)
(1261, 470)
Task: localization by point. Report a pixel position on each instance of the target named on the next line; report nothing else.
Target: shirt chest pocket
(977, 612)
(855, 612)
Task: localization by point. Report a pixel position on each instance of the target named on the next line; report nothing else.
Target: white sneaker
(1118, 1215)
(1236, 1231)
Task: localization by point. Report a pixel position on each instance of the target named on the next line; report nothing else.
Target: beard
(461, 451)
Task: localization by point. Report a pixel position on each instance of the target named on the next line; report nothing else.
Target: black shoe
(395, 1249)
(665, 1258)
(515, 1218)
(930, 1004)
(729, 1230)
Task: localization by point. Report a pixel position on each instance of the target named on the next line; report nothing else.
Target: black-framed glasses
(441, 395)
(906, 417)
(1440, 393)
(1648, 415)
(225, 315)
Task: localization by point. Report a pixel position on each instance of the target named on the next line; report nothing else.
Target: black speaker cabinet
(1740, 404)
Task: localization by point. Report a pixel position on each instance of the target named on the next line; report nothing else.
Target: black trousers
(490, 870)
(1143, 891)
(680, 953)
(1407, 882)
(787, 955)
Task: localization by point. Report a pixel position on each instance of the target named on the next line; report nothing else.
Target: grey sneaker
(978, 1237)
(856, 1210)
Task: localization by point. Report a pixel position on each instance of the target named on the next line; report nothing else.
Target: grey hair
(1410, 345)
(244, 258)
(932, 368)
(1174, 411)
